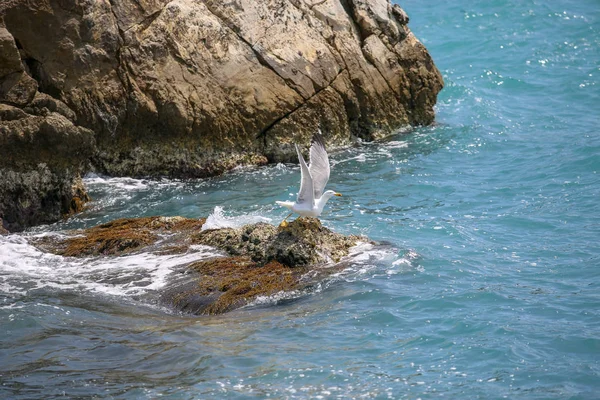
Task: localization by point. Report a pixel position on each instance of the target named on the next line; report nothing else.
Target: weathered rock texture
(42, 151)
(260, 260)
(303, 242)
(191, 88)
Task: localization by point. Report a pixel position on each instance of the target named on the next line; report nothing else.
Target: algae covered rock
(226, 283)
(258, 259)
(265, 260)
(125, 236)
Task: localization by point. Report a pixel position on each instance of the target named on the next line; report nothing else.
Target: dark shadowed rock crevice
(42, 150)
(192, 89)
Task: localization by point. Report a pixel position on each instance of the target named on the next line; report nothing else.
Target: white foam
(24, 268)
(367, 260)
(373, 152)
(118, 191)
(368, 252)
(217, 220)
(362, 157)
(123, 188)
(397, 144)
(277, 297)
(272, 170)
(119, 183)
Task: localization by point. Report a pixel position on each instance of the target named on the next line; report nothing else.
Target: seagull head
(331, 193)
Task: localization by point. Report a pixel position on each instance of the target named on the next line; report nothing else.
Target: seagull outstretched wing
(319, 165)
(306, 194)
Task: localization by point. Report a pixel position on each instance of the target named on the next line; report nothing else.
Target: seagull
(311, 198)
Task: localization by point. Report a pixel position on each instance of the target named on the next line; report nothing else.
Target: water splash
(218, 220)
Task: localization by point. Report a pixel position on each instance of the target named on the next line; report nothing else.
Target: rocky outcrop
(258, 259)
(304, 242)
(193, 88)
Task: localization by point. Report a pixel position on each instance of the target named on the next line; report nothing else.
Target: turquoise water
(488, 285)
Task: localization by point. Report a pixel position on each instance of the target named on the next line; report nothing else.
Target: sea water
(488, 285)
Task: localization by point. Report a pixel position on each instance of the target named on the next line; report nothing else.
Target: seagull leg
(284, 223)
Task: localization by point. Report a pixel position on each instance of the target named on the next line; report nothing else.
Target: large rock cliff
(192, 88)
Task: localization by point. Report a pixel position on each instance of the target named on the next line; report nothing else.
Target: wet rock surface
(258, 259)
(125, 236)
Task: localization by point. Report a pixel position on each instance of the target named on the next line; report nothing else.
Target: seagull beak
(338, 194)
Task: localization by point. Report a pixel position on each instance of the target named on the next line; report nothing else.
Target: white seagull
(311, 198)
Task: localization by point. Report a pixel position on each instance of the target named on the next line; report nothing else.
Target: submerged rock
(258, 259)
